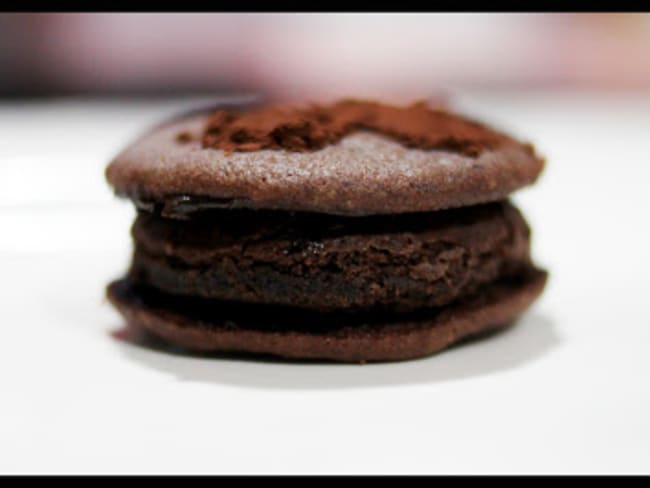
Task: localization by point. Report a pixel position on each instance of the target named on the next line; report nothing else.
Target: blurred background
(319, 55)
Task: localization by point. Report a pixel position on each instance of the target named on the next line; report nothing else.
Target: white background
(566, 390)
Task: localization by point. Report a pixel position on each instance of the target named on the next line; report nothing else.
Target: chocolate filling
(202, 312)
(324, 262)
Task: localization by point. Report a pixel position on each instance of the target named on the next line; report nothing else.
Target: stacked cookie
(355, 231)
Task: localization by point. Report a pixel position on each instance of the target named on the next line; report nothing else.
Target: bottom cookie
(209, 325)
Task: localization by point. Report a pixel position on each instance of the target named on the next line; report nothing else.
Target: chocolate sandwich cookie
(354, 232)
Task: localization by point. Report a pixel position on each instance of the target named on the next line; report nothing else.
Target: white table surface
(565, 391)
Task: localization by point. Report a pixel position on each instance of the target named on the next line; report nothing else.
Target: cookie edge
(455, 323)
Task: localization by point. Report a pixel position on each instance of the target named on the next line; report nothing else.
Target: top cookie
(351, 158)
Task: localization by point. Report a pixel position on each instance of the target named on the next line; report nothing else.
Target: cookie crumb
(184, 137)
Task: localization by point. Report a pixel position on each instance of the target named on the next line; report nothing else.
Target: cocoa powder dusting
(312, 127)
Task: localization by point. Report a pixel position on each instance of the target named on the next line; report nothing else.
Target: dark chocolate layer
(325, 262)
(212, 325)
